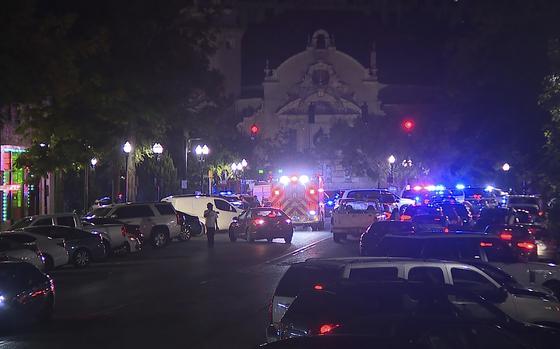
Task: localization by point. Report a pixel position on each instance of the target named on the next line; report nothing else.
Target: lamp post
(243, 164)
(127, 148)
(93, 163)
(201, 152)
(506, 167)
(391, 160)
(158, 150)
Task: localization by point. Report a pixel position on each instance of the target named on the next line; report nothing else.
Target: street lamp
(158, 150)
(127, 148)
(201, 152)
(93, 162)
(506, 167)
(391, 159)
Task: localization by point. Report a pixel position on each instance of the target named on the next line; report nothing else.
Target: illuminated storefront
(15, 192)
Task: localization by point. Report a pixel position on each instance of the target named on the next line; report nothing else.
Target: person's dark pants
(210, 236)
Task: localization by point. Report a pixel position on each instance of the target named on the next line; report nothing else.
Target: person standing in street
(211, 221)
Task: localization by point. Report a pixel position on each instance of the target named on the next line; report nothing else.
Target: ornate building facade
(308, 93)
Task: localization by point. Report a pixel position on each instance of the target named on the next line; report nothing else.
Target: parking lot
(205, 298)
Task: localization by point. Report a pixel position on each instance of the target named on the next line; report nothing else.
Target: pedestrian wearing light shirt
(211, 221)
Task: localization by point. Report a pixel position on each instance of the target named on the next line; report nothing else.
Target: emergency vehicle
(301, 197)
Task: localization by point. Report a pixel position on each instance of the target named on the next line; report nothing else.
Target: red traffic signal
(254, 130)
(408, 125)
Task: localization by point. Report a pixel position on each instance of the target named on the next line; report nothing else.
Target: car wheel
(249, 237)
(126, 248)
(337, 237)
(232, 236)
(159, 238)
(108, 249)
(81, 258)
(288, 239)
(49, 262)
(185, 234)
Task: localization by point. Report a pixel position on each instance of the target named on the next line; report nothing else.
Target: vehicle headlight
(2, 301)
(312, 213)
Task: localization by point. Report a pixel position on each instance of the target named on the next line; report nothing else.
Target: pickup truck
(353, 218)
(115, 233)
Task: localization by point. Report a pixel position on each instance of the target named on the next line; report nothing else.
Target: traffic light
(254, 129)
(408, 125)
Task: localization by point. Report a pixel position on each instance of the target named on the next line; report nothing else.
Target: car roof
(464, 235)
(349, 261)
(136, 203)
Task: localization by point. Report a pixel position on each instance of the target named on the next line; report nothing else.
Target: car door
(474, 281)
(226, 213)
(65, 221)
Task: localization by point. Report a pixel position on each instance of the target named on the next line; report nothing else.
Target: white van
(196, 205)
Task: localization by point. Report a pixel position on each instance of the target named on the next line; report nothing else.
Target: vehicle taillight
(405, 217)
(326, 328)
(486, 244)
(526, 245)
(318, 287)
(541, 213)
(506, 236)
(446, 230)
(259, 221)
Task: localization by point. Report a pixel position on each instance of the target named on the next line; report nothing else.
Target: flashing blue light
(439, 187)
(489, 188)
(460, 186)
(330, 203)
(417, 199)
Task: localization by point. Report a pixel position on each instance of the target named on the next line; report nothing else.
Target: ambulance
(301, 197)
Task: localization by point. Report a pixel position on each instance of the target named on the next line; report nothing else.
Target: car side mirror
(496, 295)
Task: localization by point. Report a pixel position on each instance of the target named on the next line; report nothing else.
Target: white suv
(483, 280)
(158, 221)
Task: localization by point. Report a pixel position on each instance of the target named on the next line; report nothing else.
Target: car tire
(49, 262)
(232, 236)
(249, 237)
(81, 258)
(185, 234)
(159, 238)
(288, 239)
(108, 249)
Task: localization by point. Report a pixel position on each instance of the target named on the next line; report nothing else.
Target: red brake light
(405, 217)
(326, 328)
(446, 230)
(259, 221)
(506, 236)
(486, 244)
(318, 287)
(526, 245)
(277, 192)
(541, 213)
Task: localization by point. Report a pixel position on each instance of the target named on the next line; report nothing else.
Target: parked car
(472, 247)
(53, 252)
(157, 221)
(83, 247)
(27, 295)
(12, 250)
(495, 216)
(355, 217)
(410, 315)
(374, 195)
(533, 204)
(130, 237)
(112, 231)
(518, 237)
(262, 223)
(191, 224)
(196, 205)
(548, 246)
(458, 213)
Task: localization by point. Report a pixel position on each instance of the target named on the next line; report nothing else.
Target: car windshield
(99, 212)
(422, 211)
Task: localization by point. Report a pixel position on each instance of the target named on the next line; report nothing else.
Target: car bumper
(266, 233)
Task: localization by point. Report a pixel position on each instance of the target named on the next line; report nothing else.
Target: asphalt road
(181, 296)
